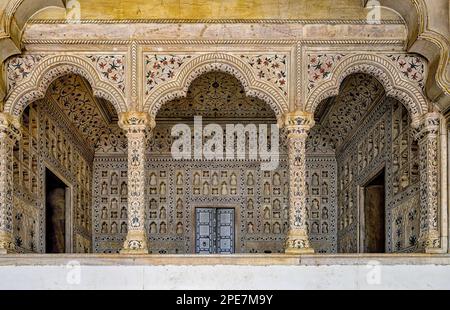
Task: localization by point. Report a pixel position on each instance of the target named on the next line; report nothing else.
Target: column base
(136, 243)
(296, 251)
(6, 244)
(297, 242)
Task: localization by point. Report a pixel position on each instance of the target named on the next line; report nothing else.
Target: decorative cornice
(209, 42)
(215, 21)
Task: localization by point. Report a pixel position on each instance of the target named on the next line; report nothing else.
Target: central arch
(216, 62)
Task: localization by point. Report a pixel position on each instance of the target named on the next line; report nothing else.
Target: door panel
(214, 231)
(225, 229)
(205, 232)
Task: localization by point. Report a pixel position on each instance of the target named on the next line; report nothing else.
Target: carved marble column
(297, 125)
(9, 134)
(138, 127)
(428, 139)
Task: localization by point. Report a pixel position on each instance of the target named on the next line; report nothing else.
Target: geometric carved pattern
(270, 68)
(213, 95)
(75, 99)
(411, 66)
(112, 69)
(19, 67)
(320, 67)
(162, 68)
(358, 94)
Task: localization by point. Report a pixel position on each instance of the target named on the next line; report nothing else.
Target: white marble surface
(74, 276)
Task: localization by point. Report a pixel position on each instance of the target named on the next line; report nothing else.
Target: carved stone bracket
(428, 137)
(297, 125)
(9, 134)
(137, 126)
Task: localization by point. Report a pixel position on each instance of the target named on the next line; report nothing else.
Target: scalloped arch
(216, 62)
(384, 71)
(51, 68)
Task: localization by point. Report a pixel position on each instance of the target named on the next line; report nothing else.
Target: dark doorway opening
(374, 215)
(55, 210)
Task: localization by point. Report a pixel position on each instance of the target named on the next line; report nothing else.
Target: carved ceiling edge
(35, 86)
(384, 71)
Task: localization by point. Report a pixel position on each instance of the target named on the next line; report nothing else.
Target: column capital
(298, 122)
(10, 126)
(429, 125)
(136, 120)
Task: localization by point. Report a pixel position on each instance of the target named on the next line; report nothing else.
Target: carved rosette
(9, 134)
(428, 137)
(297, 125)
(138, 127)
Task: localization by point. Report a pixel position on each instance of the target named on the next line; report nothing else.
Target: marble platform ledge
(236, 259)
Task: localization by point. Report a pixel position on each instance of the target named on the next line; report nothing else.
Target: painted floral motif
(270, 68)
(412, 67)
(320, 67)
(111, 68)
(19, 68)
(161, 68)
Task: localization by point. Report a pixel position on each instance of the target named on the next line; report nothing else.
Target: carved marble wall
(384, 140)
(49, 141)
(176, 188)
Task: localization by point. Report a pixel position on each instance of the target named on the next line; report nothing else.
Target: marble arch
(216, 62)
(385, 72)
(35, 86)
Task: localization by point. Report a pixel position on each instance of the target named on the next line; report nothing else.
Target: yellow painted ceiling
(217, 9)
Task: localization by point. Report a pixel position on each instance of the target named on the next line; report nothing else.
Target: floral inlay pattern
(320, 67)
(19, 68)
(111, 68)
(161, 68)
(412, 67)
(270, 68)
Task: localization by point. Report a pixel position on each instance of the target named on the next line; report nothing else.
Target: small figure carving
(196, 179)
(266, 189)
(153, 179)
(153, 228)
(179, 228)
(123, 228)
(162, 189)
(104, 213)
(266, 213)
(267, 228)
(124, 189)
(205, 188)
(250, 228)
(114, 179)
(224, 190)
(180, 179)
(104, 188)
(276, 179)
(276, 228)
(215, 179)
(250, 180)
(233, 179)
(162, 228)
